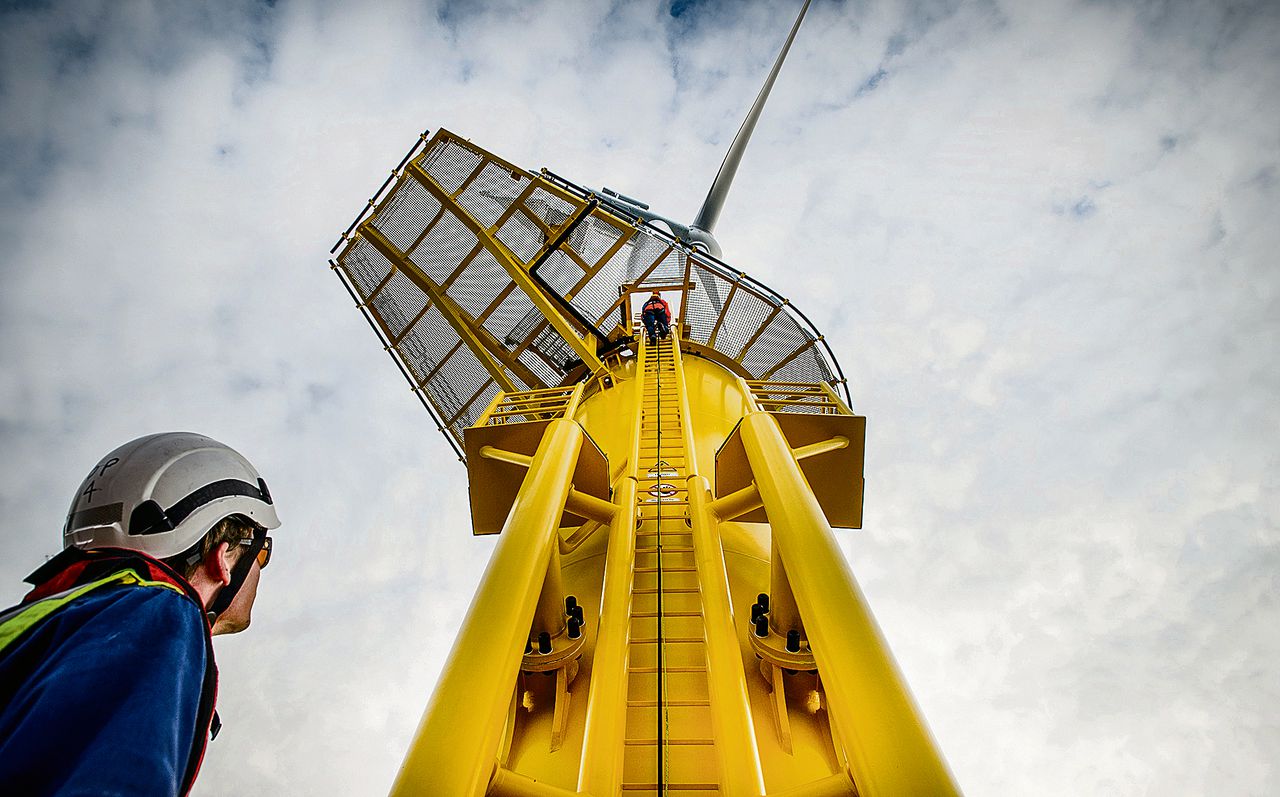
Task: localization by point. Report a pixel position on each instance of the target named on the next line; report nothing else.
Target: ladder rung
(697, 742)
(668, 669)
(666, 614)
(653, 787)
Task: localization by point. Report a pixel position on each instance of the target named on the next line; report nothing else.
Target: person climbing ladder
(656, 315)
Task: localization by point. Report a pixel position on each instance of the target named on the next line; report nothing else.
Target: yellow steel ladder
(669, 741)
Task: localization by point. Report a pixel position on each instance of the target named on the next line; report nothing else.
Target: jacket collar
(75, 566)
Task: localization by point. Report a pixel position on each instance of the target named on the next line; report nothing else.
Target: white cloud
(1039, 236)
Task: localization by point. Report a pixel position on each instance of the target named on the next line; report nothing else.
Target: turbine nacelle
(691, 234)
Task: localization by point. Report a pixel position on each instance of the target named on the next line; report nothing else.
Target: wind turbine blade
(711, 207)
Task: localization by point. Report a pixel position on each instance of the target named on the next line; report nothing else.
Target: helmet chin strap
(238, 574)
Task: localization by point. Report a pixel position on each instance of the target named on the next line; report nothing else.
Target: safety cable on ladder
(658, 484)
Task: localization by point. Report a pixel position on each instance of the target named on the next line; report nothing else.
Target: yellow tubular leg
(730, 704)
(891, 752)
(740, 770)
(601, 772)
(549, 616)
(453, 750)
(784, 616)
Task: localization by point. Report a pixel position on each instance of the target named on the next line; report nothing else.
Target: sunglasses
(264, 553)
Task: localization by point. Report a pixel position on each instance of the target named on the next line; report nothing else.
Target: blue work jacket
(107, 680)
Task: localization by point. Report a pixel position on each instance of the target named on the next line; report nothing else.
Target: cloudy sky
(1035, 234)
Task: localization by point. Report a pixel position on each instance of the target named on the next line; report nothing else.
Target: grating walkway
(669, 744)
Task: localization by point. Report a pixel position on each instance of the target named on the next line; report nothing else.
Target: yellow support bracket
(502, 455)
(590, 507)
(814, 449)
(737, 503)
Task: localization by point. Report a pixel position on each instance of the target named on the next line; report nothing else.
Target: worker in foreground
(656, 315)
(107, 676)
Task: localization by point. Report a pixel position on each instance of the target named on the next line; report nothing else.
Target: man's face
(239, 614)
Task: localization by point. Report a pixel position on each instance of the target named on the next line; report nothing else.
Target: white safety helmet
(161, 494)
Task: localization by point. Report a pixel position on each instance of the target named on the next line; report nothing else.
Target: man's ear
(217, 565)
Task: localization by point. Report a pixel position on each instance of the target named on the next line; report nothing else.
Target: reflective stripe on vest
(23, 617)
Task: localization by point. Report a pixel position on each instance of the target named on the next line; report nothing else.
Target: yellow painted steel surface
(669, 695)
(649, 499)
(458, 738)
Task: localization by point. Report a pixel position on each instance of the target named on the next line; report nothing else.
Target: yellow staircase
(669, 741)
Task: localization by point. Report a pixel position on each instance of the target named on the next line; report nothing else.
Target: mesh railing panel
(399, 303)
(560, 273)
(553, 348)
(779, 338)
(482, 401)
(491, 193)
(807, 367)
(755, 327)
(466, 376)
(408, 213)
(703, 304)
(450, 163)
(600, 293)
(434, 338)
(521, 236)
(502, 322)
(592, 239)
(551, 209)
(745, 315)
(539, 366)
(446, 245)
(366, 266)
(479, 284)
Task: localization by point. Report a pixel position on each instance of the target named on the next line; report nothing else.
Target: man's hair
(231, 530)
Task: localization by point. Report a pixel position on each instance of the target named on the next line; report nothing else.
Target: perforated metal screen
(444, 259)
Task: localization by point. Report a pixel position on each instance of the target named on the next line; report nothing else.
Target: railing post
(453, 751)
